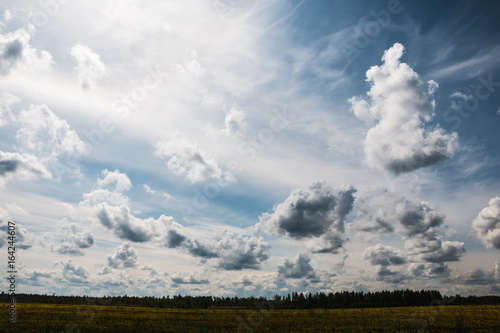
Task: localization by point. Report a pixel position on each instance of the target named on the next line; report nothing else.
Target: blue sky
(217, 147)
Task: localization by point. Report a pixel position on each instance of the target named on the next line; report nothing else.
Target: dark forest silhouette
(294, 300)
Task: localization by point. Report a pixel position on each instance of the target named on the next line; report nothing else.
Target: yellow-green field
(74, 318)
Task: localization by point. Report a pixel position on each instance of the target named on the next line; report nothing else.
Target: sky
(246, 147)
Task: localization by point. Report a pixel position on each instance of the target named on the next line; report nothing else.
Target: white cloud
(149, 190)
(6, 101)
(317, 212)
(7, 15)
(236, 252)
(400, 106)
(383, 211)
(384, 255)
(126, 226)
(72, 272)
(235, 122)
(297, 268)
(73, 242)
(89, 67)
(125, 256)
(26, 167)
(186, 158)
(16, 51)
(43, 133)
(120, 180)
(487, 224)
(49, 138)
(189, 278)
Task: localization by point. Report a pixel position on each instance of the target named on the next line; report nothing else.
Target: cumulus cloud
(297, 268)
(392, 276)
(46, 135)
(16, 51)
(72, 272)
(198, 249)
(24, 238)
(400, 105)
(190, 278)
(73, 242)
(128, 227)
(384, 255)
(429, 270)
(480, 276)
(316, 212)
(51, 139)
(89, 67)
(383, 211)
(232, 251)
(4, 218)
(236, 252)
(487, 224)
(174, 239)
(155, 192)
(6, 102)
(235, 122)
(107, 205)
(35, 277)
(125, 256)
(113, 179)
(14, 165)
(187, 159)
(447, 251)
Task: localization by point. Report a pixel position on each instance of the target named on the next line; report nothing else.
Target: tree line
(346, 299)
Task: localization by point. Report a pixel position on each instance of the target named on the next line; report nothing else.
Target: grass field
(88, 318)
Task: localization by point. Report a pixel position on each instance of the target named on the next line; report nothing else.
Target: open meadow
(90, 318)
